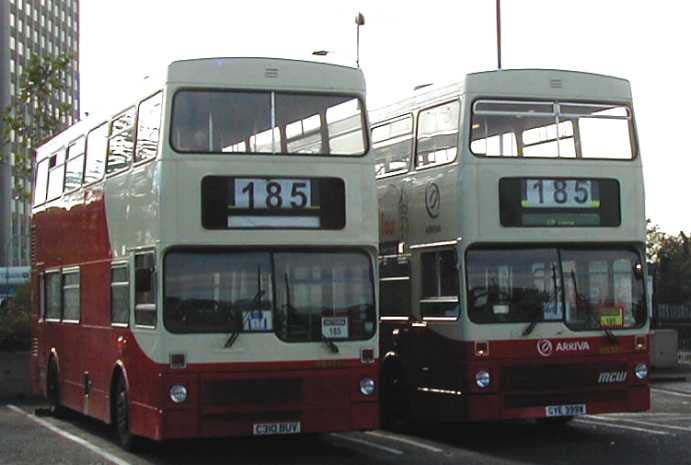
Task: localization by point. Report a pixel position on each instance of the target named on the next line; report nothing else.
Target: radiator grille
(254, 391)
(553, 377)
(539, 400)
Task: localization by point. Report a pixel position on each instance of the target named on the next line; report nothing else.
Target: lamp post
(359, 21)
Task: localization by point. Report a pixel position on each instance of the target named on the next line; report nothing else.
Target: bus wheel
(127, 440)
(53, 390)
(394, 405)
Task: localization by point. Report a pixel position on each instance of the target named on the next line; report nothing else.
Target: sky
(404, 44)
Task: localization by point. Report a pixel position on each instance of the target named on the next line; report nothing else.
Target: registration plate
(565, 410)
(283, 427)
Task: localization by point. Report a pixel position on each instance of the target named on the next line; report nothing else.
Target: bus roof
(267, 73)
(516, 83)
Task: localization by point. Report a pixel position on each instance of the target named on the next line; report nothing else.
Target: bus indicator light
(482, 349)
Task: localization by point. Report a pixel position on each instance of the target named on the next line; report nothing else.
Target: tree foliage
(34, 115)
(671, 255)
(15, 321)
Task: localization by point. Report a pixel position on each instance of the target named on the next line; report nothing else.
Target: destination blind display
(559, 202)
(254, 202)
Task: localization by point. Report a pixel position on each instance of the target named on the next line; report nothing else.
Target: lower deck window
(439, 285)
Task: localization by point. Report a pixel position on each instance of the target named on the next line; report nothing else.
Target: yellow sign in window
(611, 317)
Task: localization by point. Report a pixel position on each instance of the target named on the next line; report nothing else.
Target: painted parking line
(82, 442)
(620, 426)
(374, 445)
(644, 423)
(672, 393)
(404, 440)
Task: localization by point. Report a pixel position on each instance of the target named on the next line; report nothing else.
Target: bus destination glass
(559, 202)
(255, 202)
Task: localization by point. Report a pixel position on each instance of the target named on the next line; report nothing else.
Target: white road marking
(672, 393)
(644, 423)
(642, 414)
(410, 442)
(390, 450)
(82, 442)
(615, 425)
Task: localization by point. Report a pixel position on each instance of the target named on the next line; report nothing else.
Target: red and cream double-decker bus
(204, 260)
(512, 262)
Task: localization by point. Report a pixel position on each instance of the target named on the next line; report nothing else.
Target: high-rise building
(46, 28)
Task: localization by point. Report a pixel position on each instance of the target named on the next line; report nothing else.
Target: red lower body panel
(495, 407)
(230, 404)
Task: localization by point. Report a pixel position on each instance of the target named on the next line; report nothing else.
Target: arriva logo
(545, 347)
(610, 377)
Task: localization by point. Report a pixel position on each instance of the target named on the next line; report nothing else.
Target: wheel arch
(118, 371)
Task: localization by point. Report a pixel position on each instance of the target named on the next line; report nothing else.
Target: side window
(439, 285)
(71, 296)
(121, 141)
(392, 144)
(41, 183)
(145, 289)
(56, 174)
(394, 288)
(96, 146)
(53, 296)
(75, 165)
(437, 135)
(120, 295)
(148, 127)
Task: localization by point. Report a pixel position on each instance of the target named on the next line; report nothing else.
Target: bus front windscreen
(300, 296)
(267, 123)
(588, 289)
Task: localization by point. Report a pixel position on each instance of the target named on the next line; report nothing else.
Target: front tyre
(126, 439)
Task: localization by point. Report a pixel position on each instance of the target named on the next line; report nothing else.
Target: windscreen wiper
(608, 332)
(529, 329)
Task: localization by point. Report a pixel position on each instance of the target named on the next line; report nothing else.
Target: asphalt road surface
(661, 436)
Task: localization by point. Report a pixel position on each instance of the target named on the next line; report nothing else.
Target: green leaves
(35, 114)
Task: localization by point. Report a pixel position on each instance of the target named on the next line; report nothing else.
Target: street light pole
(360, 21)
(498, 34)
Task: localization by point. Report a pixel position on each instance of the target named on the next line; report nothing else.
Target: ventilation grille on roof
(555, 83)
(271, 72)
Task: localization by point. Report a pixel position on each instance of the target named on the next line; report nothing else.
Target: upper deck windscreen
(267, 123)
(511, 128)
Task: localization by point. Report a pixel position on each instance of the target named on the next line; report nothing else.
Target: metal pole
(357, 57)
(498, 34)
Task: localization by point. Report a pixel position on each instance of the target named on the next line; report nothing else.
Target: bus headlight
(367, 386)
(641, 371)
(482, 379)
(178, 393)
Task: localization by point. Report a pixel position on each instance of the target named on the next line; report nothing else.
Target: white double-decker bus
(512, 236)
(204, 259)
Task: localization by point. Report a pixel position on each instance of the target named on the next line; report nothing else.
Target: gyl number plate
(565, 410)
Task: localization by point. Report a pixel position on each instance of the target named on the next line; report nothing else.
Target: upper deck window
(437, 135)
(551, 130)
(392, 143)
(268, 123)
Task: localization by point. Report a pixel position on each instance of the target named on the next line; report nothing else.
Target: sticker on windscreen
(553, 311)
(335, 327)
(257, 320)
